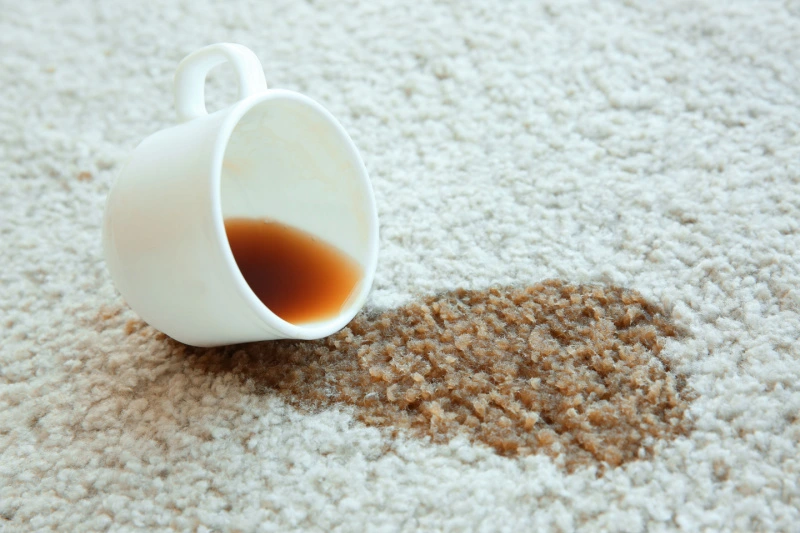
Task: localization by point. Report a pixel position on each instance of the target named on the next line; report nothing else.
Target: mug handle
(190, 77)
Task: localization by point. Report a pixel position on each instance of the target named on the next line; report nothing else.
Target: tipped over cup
(236, 226)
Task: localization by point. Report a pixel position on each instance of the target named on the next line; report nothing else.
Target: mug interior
(288, 161)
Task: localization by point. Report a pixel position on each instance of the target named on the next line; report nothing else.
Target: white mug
(274, 154)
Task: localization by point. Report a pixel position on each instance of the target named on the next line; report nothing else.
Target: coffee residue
(555, 368)
(296, 275)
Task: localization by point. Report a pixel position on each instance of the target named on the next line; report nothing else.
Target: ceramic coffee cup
(273, 154)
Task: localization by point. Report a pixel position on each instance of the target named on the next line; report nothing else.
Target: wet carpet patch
(567, 370)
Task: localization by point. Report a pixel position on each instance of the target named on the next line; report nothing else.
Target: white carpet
(655, 146)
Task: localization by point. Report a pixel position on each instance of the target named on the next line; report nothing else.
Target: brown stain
(567, 370)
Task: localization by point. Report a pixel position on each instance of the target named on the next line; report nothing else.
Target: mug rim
(287, 329)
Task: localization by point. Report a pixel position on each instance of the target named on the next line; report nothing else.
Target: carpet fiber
(642, 157)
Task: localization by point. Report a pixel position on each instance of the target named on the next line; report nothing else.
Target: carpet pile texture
(587, 307)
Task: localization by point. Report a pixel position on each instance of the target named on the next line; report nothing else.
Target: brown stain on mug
(566, 370)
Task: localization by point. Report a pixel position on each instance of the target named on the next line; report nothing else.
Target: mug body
(276, 155)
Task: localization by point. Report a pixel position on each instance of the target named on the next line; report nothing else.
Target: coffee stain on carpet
(572, 371)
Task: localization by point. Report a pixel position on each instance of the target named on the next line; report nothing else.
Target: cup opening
(299, 213)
